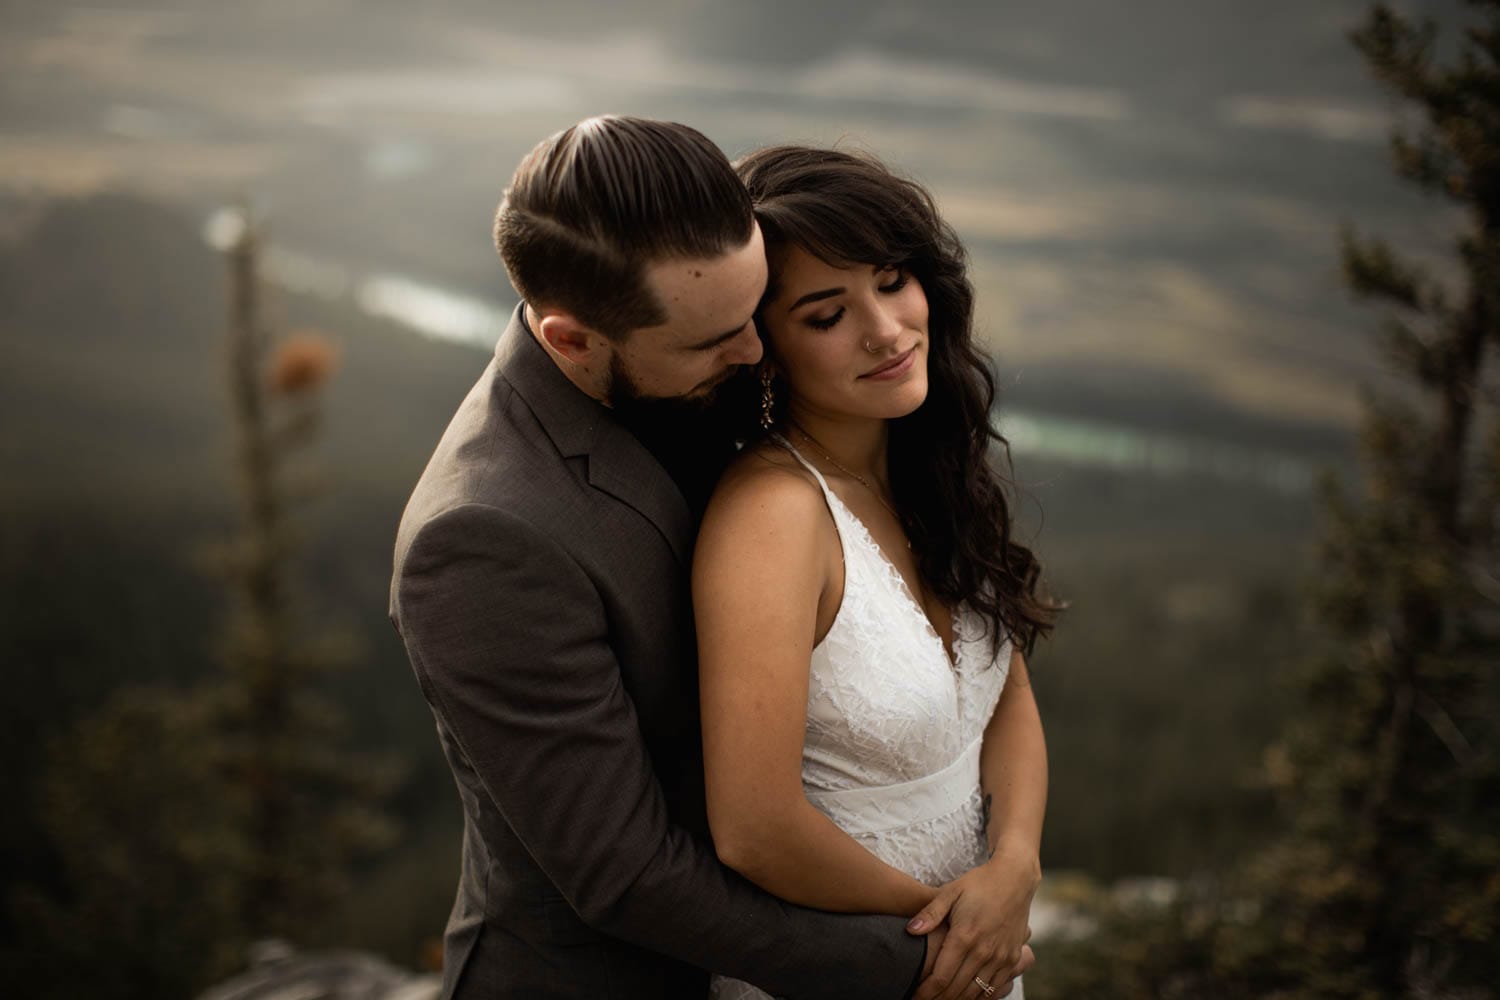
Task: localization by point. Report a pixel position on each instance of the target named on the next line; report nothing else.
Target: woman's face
(849, 342)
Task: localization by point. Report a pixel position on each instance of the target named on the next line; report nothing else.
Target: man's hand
(986, 912)
(1002, 989)
(1003, 985)
(1003, 982)
(934, 945)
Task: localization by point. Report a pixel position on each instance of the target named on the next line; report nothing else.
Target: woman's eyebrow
(826, 293)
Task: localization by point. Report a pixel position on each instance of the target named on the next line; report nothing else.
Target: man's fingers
(1004, 989)
(964, 964)
(930, 988)
(993, 974)
(939, 985)
(953, 977)
(934, 949)
(961, 986)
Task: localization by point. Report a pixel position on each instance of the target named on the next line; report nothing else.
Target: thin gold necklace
(851, 474)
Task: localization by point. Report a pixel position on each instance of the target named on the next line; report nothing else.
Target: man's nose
(745, 349)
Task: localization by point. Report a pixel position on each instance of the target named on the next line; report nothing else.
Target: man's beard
(691, 436)
(635, 408)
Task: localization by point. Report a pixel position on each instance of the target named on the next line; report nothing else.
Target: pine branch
(1427, 162)
(1373, 270)
(1485, 40)
(1446, 730)
(1398, 53)
(1410, 351)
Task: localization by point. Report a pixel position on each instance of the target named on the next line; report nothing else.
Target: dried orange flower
(303, 361)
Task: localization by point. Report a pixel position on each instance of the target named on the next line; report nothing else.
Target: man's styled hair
(590, 208)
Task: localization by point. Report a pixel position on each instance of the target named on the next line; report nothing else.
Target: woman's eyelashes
(898, 281)
(826, 322)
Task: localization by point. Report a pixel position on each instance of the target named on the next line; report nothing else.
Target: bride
(870, 736)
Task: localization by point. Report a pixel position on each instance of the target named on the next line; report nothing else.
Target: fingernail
(917, 925)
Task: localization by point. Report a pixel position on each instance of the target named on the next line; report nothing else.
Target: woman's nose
(886, 327)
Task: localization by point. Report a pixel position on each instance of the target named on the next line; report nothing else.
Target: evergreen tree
(306, 807)
(188, 823)
(1391, 878)
(1387, 881)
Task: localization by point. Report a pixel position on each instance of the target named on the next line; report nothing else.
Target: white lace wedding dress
(891, 752)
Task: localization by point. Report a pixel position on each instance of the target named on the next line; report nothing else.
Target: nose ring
(871, 348)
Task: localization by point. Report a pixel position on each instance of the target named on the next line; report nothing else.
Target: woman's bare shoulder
(766, 486)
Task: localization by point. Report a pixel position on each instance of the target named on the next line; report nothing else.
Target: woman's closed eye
(898, 282)
(826, 322)
(889, 281)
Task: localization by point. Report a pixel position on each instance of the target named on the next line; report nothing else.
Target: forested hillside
(1158, 692)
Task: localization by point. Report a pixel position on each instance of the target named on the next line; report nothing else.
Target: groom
(541, 589)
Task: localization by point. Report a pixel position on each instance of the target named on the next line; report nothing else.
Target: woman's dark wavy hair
(848, 208)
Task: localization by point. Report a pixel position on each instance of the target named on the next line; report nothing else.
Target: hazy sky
(1150, 189)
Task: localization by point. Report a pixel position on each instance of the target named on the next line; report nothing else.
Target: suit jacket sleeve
(510, 641)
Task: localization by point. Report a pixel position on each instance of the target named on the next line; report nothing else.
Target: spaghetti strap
(895, 720)
(822, 483)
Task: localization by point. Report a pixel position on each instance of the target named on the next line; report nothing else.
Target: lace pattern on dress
(894, 727)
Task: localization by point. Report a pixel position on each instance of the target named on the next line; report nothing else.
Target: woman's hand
(987, 911)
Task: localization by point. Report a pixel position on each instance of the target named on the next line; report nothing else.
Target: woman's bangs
(844, 239)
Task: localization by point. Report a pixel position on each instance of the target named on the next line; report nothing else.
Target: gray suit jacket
(541, 588)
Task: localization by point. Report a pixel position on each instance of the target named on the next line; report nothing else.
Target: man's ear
(575, 342)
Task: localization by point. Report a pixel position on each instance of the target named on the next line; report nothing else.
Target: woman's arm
(988, 908)
(763, 562)
(1013, 771)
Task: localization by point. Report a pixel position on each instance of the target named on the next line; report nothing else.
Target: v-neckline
(950, 655)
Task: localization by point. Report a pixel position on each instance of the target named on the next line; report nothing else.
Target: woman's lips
(894, 368)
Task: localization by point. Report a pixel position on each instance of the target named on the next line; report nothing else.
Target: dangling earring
(767, 399)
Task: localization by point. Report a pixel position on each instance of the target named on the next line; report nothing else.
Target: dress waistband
(889, 807)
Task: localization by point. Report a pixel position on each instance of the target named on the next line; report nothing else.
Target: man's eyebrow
(718, 339)
(826, 293)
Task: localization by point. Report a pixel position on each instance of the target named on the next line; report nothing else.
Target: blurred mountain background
(1151, 194)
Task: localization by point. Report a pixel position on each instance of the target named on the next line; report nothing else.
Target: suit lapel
(618, 464)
